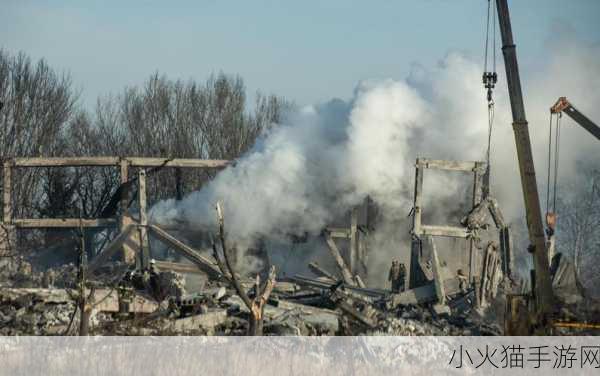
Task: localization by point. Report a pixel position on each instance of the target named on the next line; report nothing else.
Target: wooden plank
(63, 222)
(477, 194)
(191, 254)
(450, 231)
(497, 216)
(440, 164)
(315, 268)
(66, 161)
(143, 231)
(418, 198)
(438, 278)
(124, 178)
(110, 249)
(131, 246)
(115, 161)
(177, 162)
(337, 232)
(128, 252)
(506, 251)
(337, 256)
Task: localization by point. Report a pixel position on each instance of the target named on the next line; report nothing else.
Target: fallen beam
(113, 247)
(315, 268)
(283, 308)
(191, 254)
(337, 256)
(312, 283)
(438, 279)
(425, 294)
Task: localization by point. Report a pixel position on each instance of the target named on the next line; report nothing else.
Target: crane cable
(489, 79)
(552, 181)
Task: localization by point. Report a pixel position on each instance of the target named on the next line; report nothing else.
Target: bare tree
(256, 305)
(578, 222)
(38, 102)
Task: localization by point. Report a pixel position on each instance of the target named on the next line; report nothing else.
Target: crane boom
(543, 285)
(563, 105)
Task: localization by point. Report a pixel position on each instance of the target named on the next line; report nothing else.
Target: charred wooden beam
(63, 222)
(438, 164)
(438, 278)
(66, 162)
(449, 231)
(115, 161)
(337, 256)
(143, 230)
(191, 254)
(315, 268)
(177, 162)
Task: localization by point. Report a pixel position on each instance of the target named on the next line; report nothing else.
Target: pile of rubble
(297, 306)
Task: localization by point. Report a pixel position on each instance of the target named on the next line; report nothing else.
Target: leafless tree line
(578, 229)
(40, 116)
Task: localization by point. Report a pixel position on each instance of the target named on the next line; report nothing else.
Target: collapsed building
(454, 272)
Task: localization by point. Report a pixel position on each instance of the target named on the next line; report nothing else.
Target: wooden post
(143, 229)
(353, 254)
(416, 241)
(438, 278)
(473, 259)
(335, 252)
(124, 164)
(127, 252)
(8, 238)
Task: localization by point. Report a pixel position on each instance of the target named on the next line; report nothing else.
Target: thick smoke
(303, 174)
(306, 173)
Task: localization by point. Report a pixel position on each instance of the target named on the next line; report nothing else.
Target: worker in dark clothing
(397, 276)
(151, 278)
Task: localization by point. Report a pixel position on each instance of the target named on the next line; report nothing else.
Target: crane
(544, 297)
(564, 106)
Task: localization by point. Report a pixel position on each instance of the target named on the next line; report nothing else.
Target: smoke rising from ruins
(324, 159)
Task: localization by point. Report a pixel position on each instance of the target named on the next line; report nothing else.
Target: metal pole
(535, 226)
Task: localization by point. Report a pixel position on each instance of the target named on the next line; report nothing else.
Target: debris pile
(297, 306)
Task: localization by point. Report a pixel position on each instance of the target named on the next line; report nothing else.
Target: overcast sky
(308, 51)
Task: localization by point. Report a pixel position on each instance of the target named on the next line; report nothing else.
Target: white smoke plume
(304, 174)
